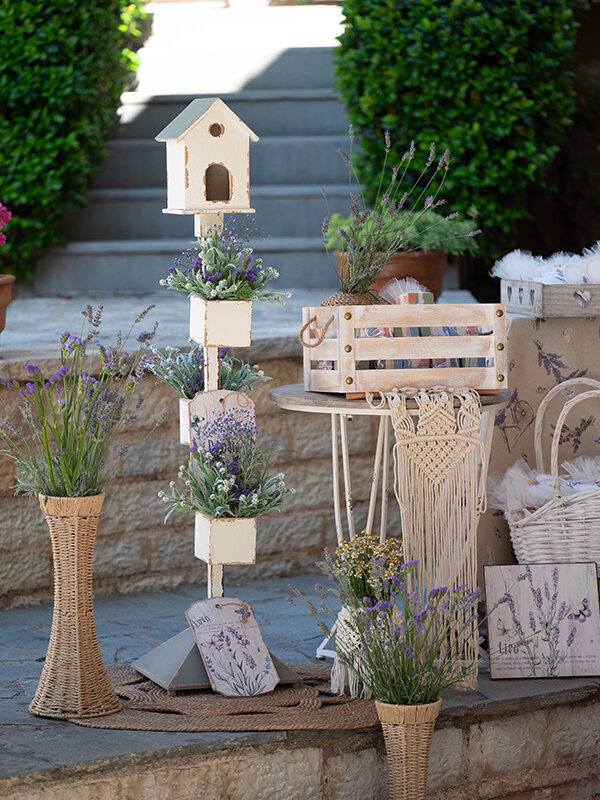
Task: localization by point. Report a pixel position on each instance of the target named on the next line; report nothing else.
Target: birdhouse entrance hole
(218, 184)
(216, 129)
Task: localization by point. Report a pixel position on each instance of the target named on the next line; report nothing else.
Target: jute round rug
(305, 706)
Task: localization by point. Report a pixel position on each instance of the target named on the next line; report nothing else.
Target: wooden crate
(334, 338)
(531, 299)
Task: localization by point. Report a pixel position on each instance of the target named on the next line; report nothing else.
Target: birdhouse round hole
(216, 129)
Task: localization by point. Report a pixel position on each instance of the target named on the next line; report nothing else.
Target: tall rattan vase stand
(407, 731)
(74, 682)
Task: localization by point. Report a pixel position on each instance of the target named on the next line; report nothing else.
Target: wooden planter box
(226, 540)
(220, 323)
(532, 299)
(458, 346)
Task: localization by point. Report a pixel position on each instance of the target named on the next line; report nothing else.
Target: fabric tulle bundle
(522, 489)
(521, 265)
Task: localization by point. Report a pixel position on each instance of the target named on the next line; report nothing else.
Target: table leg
(376, 471)
(346, 468)
(335, 470)
(488, 421)
(322, 650)
(384, 485)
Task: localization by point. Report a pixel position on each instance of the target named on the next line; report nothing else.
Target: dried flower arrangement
(72, 419)
(184, 372)
(395, 223)
(400, 646)
(220, 267)
(228, 474)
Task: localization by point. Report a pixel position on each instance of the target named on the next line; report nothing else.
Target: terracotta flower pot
(6, 285)
(407, 731)
(426, 266)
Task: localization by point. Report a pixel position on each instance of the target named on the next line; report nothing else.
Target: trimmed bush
(63, 67)
(492, 81)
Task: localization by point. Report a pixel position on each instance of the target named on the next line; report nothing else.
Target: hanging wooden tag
(209, 405)
(232, 648)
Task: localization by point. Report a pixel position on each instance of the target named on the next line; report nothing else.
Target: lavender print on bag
(232, 648)
(543, 621)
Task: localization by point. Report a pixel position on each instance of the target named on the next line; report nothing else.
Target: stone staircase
(274, 68)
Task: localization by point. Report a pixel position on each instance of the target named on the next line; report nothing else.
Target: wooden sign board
(544, 620)
(209, 405)
(232, 648)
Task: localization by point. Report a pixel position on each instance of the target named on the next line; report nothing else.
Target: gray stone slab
(129, 625)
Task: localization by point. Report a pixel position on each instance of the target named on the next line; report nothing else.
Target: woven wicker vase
(74, 682)
(407, 731)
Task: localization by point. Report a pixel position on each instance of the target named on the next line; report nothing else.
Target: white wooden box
(341, 359)
(531, 299)
(225, 540)
(220, 323)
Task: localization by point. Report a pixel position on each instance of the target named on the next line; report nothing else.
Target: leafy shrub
(63, 67)
(492, 82)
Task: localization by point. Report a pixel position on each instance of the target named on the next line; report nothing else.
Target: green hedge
(492, 81)
(63, 67)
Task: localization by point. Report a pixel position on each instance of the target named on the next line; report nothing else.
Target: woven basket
(74, 682)
(407, 731)
(565, 529)
(349, 299)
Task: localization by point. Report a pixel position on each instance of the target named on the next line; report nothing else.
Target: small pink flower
(5, 216)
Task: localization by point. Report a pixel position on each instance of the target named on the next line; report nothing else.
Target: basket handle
(320, 337)
(537, 436)
(594, 393)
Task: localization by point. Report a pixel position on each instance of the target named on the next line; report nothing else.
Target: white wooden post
(204, 224)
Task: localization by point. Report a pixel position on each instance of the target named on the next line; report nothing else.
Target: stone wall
(546, 750)
(135, 551)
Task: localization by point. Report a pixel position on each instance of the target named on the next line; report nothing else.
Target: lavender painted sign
(544, 620)
(232, 648)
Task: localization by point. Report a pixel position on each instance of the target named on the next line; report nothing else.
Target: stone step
(137, 266)
(281, 211)
(295, 68)
(273, 160)
(273, 112)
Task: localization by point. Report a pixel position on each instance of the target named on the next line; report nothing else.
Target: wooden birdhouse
(208, 160)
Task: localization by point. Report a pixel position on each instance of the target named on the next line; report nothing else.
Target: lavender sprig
(73, 417)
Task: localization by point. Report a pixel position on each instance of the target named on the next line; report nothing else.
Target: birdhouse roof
(193, 114)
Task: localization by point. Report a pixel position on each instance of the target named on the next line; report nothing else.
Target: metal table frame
(341, 410)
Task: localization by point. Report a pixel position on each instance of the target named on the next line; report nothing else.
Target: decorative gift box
(378, 348)
(532, 299)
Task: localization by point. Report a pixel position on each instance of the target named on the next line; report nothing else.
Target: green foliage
(184, 372)
(425, 231)
(63, 67)
(71, 419)
(492, 82)
(219, 267)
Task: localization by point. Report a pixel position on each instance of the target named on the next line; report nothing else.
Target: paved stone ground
(128, 627)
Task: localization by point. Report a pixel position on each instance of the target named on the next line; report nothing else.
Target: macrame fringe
(436, 466)
(345, 681)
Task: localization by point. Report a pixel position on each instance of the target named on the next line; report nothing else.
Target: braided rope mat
(148, 707)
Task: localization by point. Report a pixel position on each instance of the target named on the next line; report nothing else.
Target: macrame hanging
(440, 489)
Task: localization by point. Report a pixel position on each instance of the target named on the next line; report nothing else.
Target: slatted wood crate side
(532, 299)
(346, 349)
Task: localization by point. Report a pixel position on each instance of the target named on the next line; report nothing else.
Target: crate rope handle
(537, 436)
(594, 393)
(321, 336)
